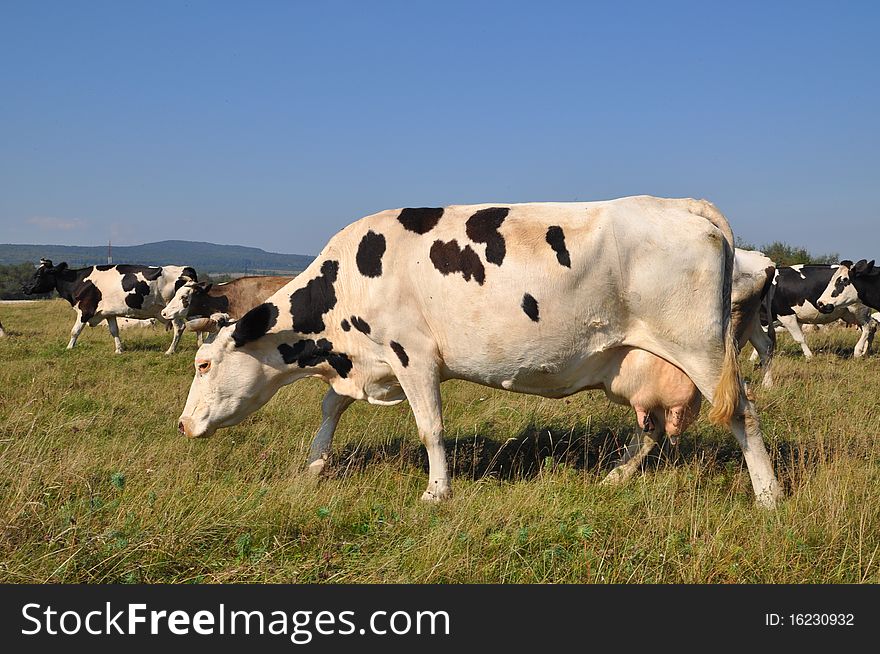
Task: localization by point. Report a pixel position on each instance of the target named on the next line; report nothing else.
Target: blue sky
(273, 124)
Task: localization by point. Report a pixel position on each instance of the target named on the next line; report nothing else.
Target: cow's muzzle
(186, 427)
(824, 308)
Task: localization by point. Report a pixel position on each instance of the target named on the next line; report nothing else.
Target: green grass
(97, 486)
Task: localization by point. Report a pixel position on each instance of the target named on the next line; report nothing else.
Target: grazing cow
(544, 298)
(795, 297)
(107, 291)
(234, 299)
(852, 283)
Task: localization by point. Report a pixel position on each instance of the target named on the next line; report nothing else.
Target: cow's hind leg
(863, 346)
(332, 408)
(643, 440)
(179, 326)
(764, 346)
(114, 332)
(747, 430)
(745, 426)
(75, 331)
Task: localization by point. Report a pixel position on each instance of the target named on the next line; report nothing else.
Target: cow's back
(523, 295)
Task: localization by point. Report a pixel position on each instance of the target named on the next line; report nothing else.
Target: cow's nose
(181, 428)
(824, 308)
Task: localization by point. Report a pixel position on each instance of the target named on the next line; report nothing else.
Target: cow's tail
(726, 399)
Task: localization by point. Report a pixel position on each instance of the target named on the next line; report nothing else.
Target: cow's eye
(203, 366)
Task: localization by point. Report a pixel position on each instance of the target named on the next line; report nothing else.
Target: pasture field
(97, 486)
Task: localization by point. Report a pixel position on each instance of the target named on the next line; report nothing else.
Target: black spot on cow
(401, 353)
(449, 258)
(255, 323)
(307, 353)
(369, 254)
(839, 285)
(87, 297)
(795, 287)
(153, 273)
(309, 303)
(190, 272)
(530, 306)
(483, 226)
(345, 326)
(360, 324)
(129, 281)
(104, 267)
(556, 239)
(421, 220)
(136, 300)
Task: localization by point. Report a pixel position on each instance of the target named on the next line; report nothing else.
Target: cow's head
(847, 285)
(46, 277)
(178, 306)
(230, 383)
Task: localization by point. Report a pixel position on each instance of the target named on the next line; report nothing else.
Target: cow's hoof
(616, 477)
(316, 468)
(437, 495)
(117, 352)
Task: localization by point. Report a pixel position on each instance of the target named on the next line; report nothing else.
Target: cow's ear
(847, 263)
(61, 266)
(203, 287)
(871, 269)
(859, 268)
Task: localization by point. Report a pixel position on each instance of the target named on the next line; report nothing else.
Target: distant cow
(795, 297)
(235, 298)
(107, 291)
(544, 298)
(852, 283)
(2, 333)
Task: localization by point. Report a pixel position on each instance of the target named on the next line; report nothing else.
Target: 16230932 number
(821, 619)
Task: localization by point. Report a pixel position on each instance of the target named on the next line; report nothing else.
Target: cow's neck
(869, 292)
(67, 281)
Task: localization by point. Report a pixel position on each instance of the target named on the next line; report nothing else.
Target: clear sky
(273, 124)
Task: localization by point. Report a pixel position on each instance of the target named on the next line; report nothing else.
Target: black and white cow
(544, 298)
(852, 283)
(795, 297)
(107, 291)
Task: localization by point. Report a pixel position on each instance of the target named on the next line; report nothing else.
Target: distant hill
(204, 257)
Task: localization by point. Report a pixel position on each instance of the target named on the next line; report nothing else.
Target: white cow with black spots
(544, 298)
(106, 292)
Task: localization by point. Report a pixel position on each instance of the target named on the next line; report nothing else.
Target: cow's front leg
(179, 326)
(642, 441)
(422, 390)
(864, 344)
(332, 408)
(78, 326)
(114, 332)
(793, 327)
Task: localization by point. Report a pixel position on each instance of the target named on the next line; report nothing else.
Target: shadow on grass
(524, 456)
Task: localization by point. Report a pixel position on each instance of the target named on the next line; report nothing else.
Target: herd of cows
(645, 298)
